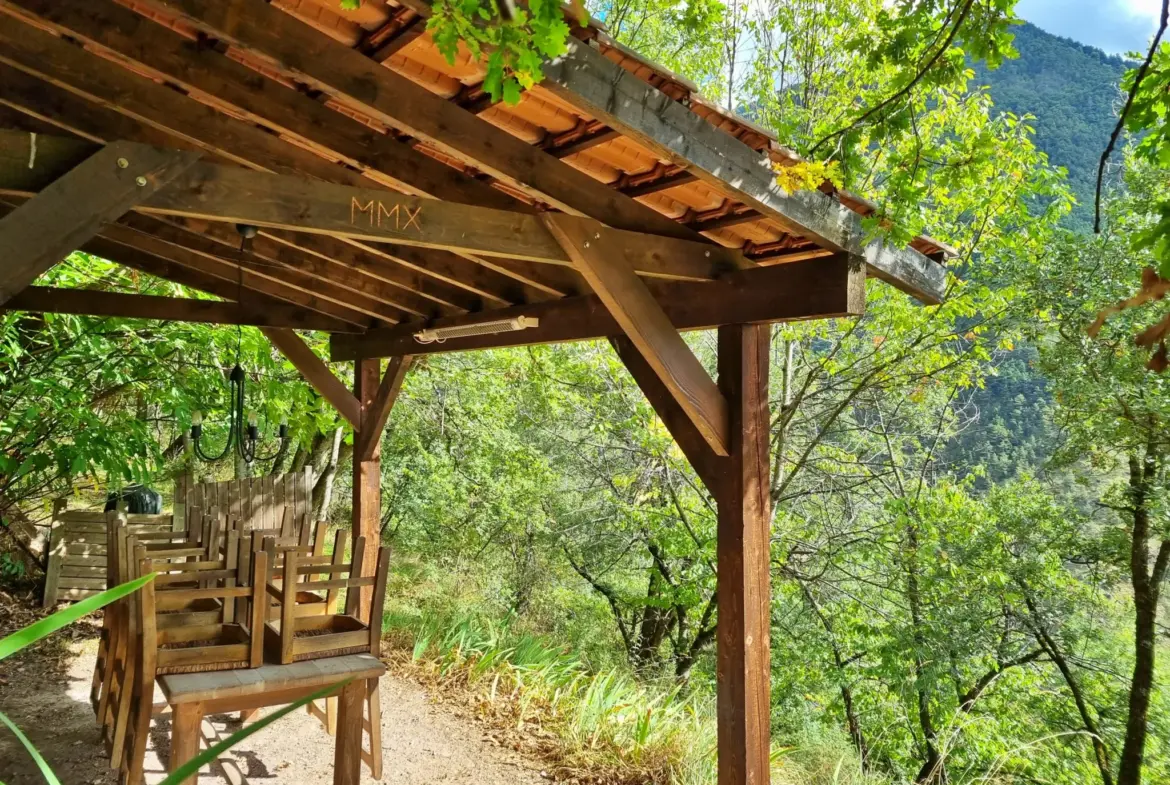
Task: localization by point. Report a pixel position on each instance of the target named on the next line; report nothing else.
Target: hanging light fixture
(243, 430)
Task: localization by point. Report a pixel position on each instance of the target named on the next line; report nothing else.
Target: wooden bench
(195, 695)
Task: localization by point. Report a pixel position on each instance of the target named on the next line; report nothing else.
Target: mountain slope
(1072, 89)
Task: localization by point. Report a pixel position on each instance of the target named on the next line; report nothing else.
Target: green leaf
(46, 772)
(192, 766)
(50, 624)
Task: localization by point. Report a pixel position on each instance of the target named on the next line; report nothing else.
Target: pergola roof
(364, 99)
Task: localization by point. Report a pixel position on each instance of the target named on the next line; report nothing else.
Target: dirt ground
(46, 693)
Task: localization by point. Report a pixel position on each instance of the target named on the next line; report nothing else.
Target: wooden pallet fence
(256, 502)
(77, 551)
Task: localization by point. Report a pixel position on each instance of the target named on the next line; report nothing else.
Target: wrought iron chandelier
(243, 430)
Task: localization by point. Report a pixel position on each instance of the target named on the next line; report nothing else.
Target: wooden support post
(367, 475)
(743, 554)
(374, 419)
(76, 205)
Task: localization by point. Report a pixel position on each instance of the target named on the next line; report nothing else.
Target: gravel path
(46, 695)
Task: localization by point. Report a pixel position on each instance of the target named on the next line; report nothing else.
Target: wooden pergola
(392, 196)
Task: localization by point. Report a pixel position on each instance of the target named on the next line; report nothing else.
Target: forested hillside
(969, 542)
(1072, 89)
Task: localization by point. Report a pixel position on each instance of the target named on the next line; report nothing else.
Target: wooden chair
(310, 550)
(294, 637)
(164, 647)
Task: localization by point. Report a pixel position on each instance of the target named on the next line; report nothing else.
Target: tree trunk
(1050, 646)
(323, 489)
(1143, 472)
(932, 770)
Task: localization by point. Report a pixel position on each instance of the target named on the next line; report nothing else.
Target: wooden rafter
(77, 204)
(90, 302)
(586, 79)
(351, 77)
(130, 107)
(823, 288)
(648, 327)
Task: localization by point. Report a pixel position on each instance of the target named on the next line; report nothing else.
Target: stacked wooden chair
(220, 599)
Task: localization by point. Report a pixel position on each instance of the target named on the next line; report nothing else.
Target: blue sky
(1117, 26)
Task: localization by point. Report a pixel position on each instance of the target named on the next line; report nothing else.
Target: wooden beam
(233, 194)
(743, 560)
(91, 302)
(210, 258)
(649, 328)
(156, 110)
(375, 415)
(367, 477)
(698, 453)
(316, 373)
(77, 204)
(814, 289)
(586, 79)
(354, 79)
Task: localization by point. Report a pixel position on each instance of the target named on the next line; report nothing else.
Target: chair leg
(331, 715)
(99, 670)
(374, 702)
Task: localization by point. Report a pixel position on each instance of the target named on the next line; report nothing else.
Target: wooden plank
(216, 192)
(72, 209)
(71, 582)
(347, 756)
(336, 640)
(366, 506)
(316, 373)
(374, 417)
(57, 552)
(649, 328)
(587, 79)
(195, 66)
(822, 288)
(742, 655)
(92, 302)
(138, 109)
(181, 250)
(183, 688)
(351, 77)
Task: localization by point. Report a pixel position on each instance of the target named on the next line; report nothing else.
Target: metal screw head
(123, 163)
(586, 244)
(141, 181)
(597, 236)
(708, 254)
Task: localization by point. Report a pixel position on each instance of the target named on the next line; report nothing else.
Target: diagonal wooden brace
(627, 298)
(74, 207)
(316, 373)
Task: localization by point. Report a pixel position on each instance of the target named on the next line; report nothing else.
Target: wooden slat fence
(256, 502)
(77, 538)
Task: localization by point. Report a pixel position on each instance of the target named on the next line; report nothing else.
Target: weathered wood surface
(184, 688)
(317, 373)
(742, 651)
(78, 551)
(231, 194)
(375, 415)
(586, 79)
(812, 289)
(70, 210)
(92, 302)
(649, 328)
(257, 502)
(367, 474)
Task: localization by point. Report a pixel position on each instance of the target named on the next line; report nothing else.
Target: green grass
(601, 722)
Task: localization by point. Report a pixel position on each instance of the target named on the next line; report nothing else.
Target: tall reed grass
(603, 725)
